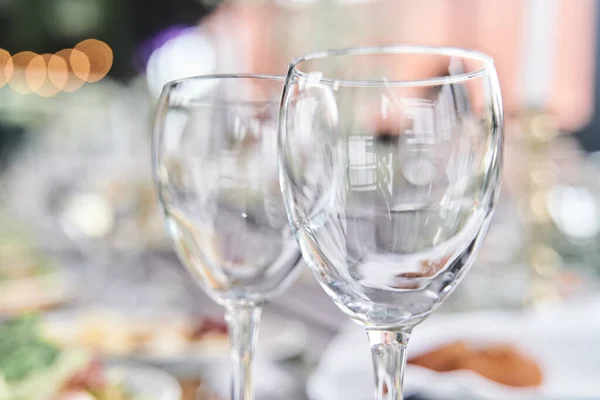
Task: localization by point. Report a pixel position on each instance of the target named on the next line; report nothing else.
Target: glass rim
(400, 49)
(265, 77)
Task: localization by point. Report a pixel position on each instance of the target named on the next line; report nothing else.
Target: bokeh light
(48, 89)
(58, 71)
(78, 66)
(36, 73)
(29, 72)
(48, 74)
(188, 53)
(100, 57)
(6, 67)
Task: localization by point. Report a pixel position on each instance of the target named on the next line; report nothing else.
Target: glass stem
(242, 321)
(388, 351)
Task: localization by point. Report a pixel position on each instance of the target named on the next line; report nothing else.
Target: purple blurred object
(155, 42)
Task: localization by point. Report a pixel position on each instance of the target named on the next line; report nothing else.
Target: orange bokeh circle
(29, 72)
(100, 57)
(67, 70)
(48, 89)
(78, 66)
(58, 71)
(6, 67)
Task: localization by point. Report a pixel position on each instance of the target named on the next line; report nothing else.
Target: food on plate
(31, 367)
(119, 335)
(499, 363)
(443, 359)
(208, 327)
(29, 281)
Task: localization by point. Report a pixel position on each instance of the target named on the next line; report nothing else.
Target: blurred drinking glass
(215, 168)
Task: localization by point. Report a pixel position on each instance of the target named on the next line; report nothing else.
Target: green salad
(32, 368)
(23, 351)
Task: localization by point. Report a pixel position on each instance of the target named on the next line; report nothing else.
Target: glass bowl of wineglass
(390, 160)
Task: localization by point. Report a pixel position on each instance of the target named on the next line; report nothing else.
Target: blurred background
(81, 237)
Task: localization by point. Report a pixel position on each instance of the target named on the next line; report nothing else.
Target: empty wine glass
(215, 166)
(389, 164)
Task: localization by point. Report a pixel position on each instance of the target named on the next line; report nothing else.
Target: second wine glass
(390, 161)
(215, 167)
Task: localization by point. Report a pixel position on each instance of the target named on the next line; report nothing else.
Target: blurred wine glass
(215, 168)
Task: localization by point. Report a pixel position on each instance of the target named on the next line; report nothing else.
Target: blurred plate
(163, 339)
(562, 340)
(278, 340)
(35, 293)
(145, 383)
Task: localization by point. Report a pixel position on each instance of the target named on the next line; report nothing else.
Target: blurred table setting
(94, 299)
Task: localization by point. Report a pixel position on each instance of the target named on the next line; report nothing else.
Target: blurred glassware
(215, 166)
(550, 185)
(573, 205)
(539, 132)
(84, 180)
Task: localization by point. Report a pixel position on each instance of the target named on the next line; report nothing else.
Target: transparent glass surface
(216, 171)
(390, 161)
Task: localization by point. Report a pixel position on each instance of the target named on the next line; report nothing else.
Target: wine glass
(389, 164)
(215, 166)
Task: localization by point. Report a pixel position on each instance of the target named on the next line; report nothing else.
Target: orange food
(502, 364)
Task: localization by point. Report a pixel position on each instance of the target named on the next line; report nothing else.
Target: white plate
(565, 341)
(145, 383)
